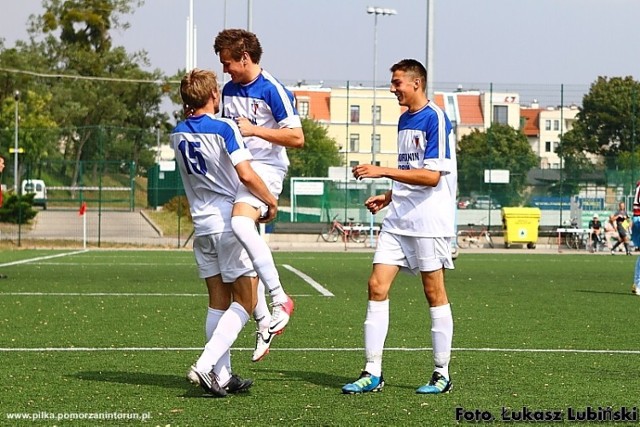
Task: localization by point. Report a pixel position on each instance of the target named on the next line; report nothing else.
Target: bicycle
(577, 238)
(356, 232)
(471, 236)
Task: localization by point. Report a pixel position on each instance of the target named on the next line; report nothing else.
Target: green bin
(520, 225)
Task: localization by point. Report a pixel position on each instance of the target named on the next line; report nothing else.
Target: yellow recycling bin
(520, 225)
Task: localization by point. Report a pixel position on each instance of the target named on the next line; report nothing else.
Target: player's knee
(377, 290)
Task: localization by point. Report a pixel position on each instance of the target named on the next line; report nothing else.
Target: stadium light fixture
(375, 11)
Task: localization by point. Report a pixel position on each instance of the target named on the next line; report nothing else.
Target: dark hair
(412, 66)
(196, 88)
(238, 41)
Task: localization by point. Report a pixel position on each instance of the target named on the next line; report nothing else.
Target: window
(500, 114)
(354, 143)
(303, 109)
(377, 114)
(548, 147)
(556, 125)
(355, 114)
(547, 125)
(353, 163)
(376, 143)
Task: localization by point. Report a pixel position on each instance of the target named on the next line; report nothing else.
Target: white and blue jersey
(207, 150)
(267, 103)
(424, 142)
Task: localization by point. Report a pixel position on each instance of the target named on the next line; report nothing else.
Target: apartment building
(348, 114)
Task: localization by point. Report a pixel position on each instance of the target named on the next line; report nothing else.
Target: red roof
(470, 110)
(318, 103)
(531, 117)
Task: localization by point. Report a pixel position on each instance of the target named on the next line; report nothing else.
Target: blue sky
(505, 41)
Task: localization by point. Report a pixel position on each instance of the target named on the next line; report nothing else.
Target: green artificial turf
(114, 332)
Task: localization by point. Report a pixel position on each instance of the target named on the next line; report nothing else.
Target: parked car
(465, 202)
(38, 187)
(486, 202)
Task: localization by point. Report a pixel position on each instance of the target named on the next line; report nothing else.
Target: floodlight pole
(158, 141)
(16, 97)
(375, 11)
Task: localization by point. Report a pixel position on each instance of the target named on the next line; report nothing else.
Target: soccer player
(635, 288)
(635, 225)
(2, 276)
(622, 218)
(416, 232)
(1, 169)
(269, 122)
(213, 161)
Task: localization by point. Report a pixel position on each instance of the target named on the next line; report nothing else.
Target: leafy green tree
(501, 147)
(73, 37)
(320, 151)
(576, 166)
(608, 121)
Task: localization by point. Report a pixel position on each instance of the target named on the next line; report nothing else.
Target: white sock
(261, 313)
(223, 368)
(245, 230)
(376, 326)
(213, 317)
(229, 326)
(441, 337)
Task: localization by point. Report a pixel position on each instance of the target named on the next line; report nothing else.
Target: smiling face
(238, 70)
(407, 89)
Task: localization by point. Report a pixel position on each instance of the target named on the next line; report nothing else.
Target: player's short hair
(414, 67)
(237, 41)
(197, 86)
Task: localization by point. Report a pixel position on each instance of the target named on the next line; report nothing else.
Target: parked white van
(38, 187)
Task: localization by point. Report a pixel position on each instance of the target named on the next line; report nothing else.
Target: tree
(607, 123)
(501, 147)
(319, 153)
(73, 37)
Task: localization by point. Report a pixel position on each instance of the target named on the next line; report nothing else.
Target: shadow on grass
(147, 379)
(591, 291)
(322, 379)
(142, 378)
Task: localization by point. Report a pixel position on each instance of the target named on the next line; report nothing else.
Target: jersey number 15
(193, 159)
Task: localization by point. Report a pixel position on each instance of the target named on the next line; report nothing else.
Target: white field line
(26, 261)
(481, 349)
(317, 286)
(106, 294)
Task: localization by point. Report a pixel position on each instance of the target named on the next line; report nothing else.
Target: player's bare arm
(424, 177)
(377, 202)
(256, 185)
(286, 137)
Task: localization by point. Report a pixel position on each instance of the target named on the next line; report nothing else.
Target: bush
(179, 205)
(17, 210)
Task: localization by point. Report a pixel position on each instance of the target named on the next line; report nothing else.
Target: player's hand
(270, 215)
(375, 203)
(245, 126)
(366, 171)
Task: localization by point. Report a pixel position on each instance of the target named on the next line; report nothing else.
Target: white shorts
(413, 254)
(272, 178)
(222, 253)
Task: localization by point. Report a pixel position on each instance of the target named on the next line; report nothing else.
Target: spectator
(595, 227)
(610, 232)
